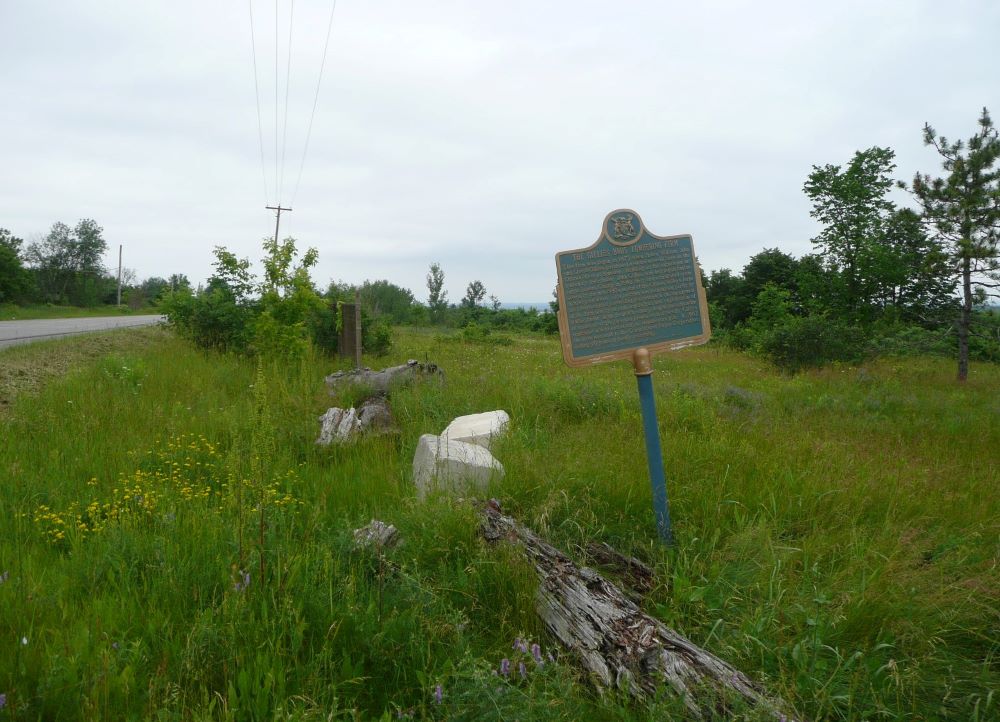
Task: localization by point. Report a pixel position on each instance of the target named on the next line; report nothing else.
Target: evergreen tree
(963, 209)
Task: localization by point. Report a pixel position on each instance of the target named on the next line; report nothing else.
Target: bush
(211, 319)
(280, 315)
(809, 341)
(376, 336)
(911, 341)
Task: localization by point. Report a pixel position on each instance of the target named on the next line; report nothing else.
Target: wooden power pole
(119, 275)
(277, 222)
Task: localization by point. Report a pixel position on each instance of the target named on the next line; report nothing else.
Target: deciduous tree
(14, 279)
(852, 204)
(475, 292)
(437, 298)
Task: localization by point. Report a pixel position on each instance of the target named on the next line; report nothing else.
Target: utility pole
(119, 274)
(277, 223)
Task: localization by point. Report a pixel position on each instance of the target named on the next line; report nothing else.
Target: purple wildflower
(243, 582)
(520, 646)
(438, 694)
(3, 700)
(536, 653)
(3, 577)
(522, 670)
(505, 667)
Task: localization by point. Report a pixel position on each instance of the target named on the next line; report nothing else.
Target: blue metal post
(654, 455)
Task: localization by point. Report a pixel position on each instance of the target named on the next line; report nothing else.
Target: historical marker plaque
(630, 289)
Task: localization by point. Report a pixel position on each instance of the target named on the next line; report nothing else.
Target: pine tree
(963, 209)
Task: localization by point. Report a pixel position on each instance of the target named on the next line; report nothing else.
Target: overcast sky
(484, 136)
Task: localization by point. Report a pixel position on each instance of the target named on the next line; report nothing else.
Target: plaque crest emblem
(624, 228)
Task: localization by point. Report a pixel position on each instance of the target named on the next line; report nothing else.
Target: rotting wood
(622, 646)
(636, 575)
(381, 382)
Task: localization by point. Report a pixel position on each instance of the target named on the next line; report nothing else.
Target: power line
(288, 75)
(256, 90)
(312, 115)
(276, 56)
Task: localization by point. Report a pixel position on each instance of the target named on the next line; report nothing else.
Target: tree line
(65, 267)
(881, 277)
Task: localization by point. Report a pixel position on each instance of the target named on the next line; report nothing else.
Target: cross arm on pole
(279, 208)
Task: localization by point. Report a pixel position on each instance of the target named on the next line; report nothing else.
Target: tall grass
(837, 535)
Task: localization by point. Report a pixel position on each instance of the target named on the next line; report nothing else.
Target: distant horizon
(527, 305)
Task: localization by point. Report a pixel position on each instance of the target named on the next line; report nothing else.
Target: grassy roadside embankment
(9, 312)
(837, 535)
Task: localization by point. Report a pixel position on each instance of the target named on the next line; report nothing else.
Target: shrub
(281, 315)
(808, 341)
(376, 336)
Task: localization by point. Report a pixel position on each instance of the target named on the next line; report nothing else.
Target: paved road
(17, 332)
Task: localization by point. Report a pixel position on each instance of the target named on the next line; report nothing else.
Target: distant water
(527, 305)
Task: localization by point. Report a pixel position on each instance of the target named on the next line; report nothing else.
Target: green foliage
(800, 342)
(67, 264)
(474, 294)
(437, 299)
(387, 300)
(280, 316)
(376, 337)
(212, 319)
(963, 208)
(15, 281)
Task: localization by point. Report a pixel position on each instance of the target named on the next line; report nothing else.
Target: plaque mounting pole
(643, 365)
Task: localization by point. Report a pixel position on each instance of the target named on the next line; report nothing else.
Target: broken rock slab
(441, 464)
(376, 533)
(338, 426)
(343, 425)
(480, 429)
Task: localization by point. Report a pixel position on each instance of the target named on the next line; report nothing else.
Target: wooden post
(357, 329)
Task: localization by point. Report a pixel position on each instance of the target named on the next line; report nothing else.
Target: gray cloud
(483, 137)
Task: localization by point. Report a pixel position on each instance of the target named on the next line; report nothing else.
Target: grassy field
(174, 546)
(9, 312)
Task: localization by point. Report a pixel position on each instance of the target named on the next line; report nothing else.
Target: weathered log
(382, 381)
(634, 574)
(615, 640)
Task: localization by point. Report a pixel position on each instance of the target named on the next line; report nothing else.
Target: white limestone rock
(338, 426)
(480, 429)
(342, 425)
(376, 533)
(441, 464)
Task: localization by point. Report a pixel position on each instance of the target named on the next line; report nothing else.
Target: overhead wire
(312, 115)
(256, 90)
(276, 56)
(288, 75)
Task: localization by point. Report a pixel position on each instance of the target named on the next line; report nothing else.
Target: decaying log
(382, 381)
(615, 640)
(343, 425)
(634, 574)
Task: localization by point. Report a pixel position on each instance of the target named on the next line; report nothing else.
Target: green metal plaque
(629, 290)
